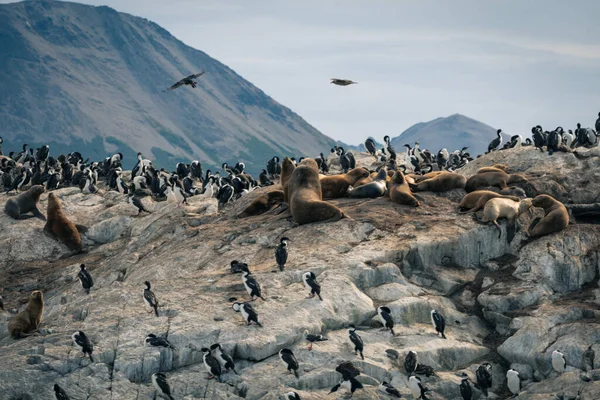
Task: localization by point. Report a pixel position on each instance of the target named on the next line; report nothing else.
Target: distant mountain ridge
(453, 132)
(90, 79)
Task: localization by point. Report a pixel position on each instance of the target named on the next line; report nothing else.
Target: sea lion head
(310, 163)
(381, 175)
(398, 178)
(543, 201)
(517, 178)
(524, 205)
(37, 295)
(37, 190)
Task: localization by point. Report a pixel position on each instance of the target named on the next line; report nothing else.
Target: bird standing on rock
(83, 342)
(558, 361)
(349, 373)
(251, 284)
(465, 389)
(137, 203)
(513, 381)
(310, 281)
(159, 381)
(85, 278)
(484, 377)
(389, 390)
(247, 312)
(313, 338)
(439, 323)
(356, 340)
(150, 298)
(211, 364)
(292, 396)
(416, 388)
(155, 341)
(59, 393)
(411, 362)
(385, 315)
(496, 143)
(281, 253)
(289, 360)
(223, 358)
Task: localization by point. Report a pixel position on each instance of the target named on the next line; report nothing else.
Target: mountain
(91, 79)
(453, 132)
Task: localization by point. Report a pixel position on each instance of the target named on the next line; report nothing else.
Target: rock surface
(509, 304)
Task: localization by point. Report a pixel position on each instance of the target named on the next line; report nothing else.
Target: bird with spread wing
(189, 80)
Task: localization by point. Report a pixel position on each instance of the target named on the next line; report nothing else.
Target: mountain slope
(452, 133)
(91, 79)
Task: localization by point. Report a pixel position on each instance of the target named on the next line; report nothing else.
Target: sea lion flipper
(48, 232)
(81, 228)
(36, 213)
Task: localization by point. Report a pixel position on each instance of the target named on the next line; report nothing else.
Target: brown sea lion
(556, 216)
(494, 168)
(476, 200)
(400, 191)
(24, 203)
(306, 204)
(263, 203)
(440, 183)
(420, 178)
(28, 321)
(336, 186)
(496, 178)
(287, 168)
(365, 180)
(371, 190)
(504, 208)
(58, 226)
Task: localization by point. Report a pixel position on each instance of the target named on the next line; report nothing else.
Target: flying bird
(342, 82)
(189, 80)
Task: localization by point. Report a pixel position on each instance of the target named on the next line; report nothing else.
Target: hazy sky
(511, 64)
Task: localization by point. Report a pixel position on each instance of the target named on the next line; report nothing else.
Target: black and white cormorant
(313, 338)
(251, 284)
(411, 362)
(484, 377)
(465, 389)
(137, 203)
(211, 364)
(370, 146)
(292, 396)
(247, 311)
(310, 281)
(496, 143)
(289, 360)
(356, 341)
(150, 298)
(385, 316)
(438, 322)
(281, 253)
(388, 389)
(349, 373)
(59, 393)
(223, 358)
(83, 343)
(159, 381)
(85, 278)
(416, 388)
(155, 341)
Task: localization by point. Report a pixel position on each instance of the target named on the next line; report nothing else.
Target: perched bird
(281, 253)
(496, 143)
(342, 82)
(558, 361)
(155, 341)
(392, 354)
(59, 393)
(310, 281)
(289, 360)
(484, 377)
(150, 298)
(416, 388)
(385, 315)
(313, 338)
(587, 358)
(223, 358)
(349, 373)
(465, 389)
(188, 81)
(370, 146)
(356, 341)
(137, 203)
(292, 396)
(411, 362)
(389, 390)
(159, 381)
(211, 364)
(247, 312)
(251, 284)
(439, 323)
(513, 381)
(83, 342)
(85, 278)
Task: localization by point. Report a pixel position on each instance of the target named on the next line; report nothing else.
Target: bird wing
(355, 338)
(80, 339)
(194, 76)
(348, 370)
(176, 85)
(252, 283)
(150, 297)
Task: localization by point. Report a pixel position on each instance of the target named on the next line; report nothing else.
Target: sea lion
(24, 203)
(495, 178)
(58, 226)
(494, 168)
(504, 208)
(420, 178)
(287, 168)
(335, 186)
(28, 321)
(476, 200)
(556, 216)
(263, 203)
(364, 181)
(400, 191)
(371, 190)
(440, 183)
(305, 196)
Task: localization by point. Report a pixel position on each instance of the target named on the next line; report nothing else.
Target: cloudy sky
(511, 64)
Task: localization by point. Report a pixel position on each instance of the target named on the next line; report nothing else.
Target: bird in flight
(342, 82)
(189, 80)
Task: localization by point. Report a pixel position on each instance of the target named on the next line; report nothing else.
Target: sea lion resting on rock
(400, 191)
(556, 216)
(263, 203)
(305, 196)
(441, 182)
(494, 168)
(476, 200)
(416, 178)
(28, 321)
(59, 227)
(24, 203)
(287, 168)
(335, 186)
(504, 208)
(371, 190)
(496, 178)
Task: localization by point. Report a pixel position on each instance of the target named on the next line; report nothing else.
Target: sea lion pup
(372, 190)
(262, 204)
(440, 183)
(28, 321)
(304, 189)
(476, 200)
(287, 168)
(24, 203)
(335, 186)
(504, 208)
(556, 216)
(494, 168)
(400, 191)
(495, 178)
(58, 226)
